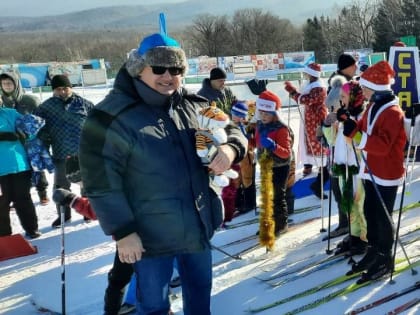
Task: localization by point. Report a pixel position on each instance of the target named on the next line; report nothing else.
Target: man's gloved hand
(63, 197)
(330, 119)
(268, 143)
(288, 86)
(349, 128)
(8, 136)
(342, 114)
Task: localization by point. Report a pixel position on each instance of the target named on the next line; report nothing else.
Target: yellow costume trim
(266, 236)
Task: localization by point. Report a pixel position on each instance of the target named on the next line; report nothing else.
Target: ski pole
(348, 180)
(413, 119)
(412, 168)
(330, 165)
(63, 264)
(410, 139)
(322, 186)
(330, 157)
(397, 240)
(236, 257)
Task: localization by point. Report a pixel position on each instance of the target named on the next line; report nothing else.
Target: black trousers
(42, 183)
(380, 234)
(280, 176)
(16, 188)
(120, 274)
(61, 181)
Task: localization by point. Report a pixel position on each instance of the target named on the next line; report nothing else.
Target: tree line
(375, 24)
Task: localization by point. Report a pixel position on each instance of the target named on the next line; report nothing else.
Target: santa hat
(313, 69)
(399, 44)
(239, 109)
(268, 102)
(378, 77)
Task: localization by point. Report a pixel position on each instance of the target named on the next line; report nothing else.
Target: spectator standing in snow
(15, 177)
(345, 164)
(214, 89)
(64, 113)
(246, 195)
(145, 181)
(275, 141)
(239, 196)
(13, 96)
(383, 139)
(313, 112)
(346, 69)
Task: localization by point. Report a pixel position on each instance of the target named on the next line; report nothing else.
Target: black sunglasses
(161, 70)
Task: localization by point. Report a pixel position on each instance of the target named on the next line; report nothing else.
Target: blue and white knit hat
(239, 109)
(156, 50)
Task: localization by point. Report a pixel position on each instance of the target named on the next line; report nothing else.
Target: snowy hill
(237, 285)
(85, 16)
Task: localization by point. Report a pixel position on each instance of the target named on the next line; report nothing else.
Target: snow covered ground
(89, 255)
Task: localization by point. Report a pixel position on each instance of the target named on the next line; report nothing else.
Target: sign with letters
(405, 61)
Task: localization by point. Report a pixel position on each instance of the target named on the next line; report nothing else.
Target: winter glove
(268, 143)
(288, 86)
(342, 114)
(330, 119)
(349, 128)
(8, 136)
(257, 86)
(63, 197)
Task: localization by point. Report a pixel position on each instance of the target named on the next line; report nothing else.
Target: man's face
(350, 71)
(218, 84)
(165, 83)
(7, 85)
(63, 92)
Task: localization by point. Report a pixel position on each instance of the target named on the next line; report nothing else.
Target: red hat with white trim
(268, 101)
(378, 77)
(313, 69)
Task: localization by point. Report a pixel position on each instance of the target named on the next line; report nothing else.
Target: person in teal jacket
(15, 177)
(14, 96)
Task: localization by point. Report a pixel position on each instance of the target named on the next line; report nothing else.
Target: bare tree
(210, 34)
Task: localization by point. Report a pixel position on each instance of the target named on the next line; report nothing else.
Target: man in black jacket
(145, 181)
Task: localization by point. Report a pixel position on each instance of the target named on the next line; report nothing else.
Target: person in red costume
(383, 139)
(313, 112)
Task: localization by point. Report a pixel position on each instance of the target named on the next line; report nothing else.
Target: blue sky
(48, 7)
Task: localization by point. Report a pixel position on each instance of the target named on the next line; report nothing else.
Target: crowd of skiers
(159, 207)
